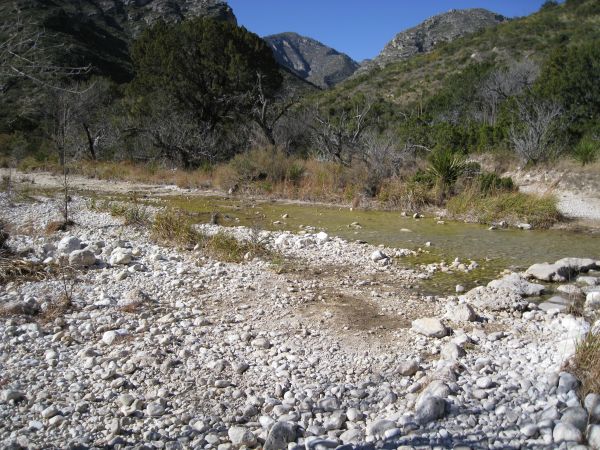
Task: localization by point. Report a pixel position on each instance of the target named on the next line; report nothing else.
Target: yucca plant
(446, 167)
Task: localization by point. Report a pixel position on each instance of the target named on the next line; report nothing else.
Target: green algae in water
(493, 250)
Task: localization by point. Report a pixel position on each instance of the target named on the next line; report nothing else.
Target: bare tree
(339, 133)
(61, 111)
(534, 138)
(268, 111)
(178, 137)
(293, 132)
(24, 54)
(513, 80)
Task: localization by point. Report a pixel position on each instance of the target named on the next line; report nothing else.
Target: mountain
(438, 29)
(311, 60)
(99, 32)
(409, 83)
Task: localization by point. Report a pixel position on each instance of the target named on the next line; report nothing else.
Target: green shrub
(586, 152)
(136, 215)
(513, 207)
(549, 4)
(446, 167)
(295, 173)
(225, 247)
(423, 177)
(489, 183)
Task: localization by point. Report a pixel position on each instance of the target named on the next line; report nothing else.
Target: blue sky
(357, 27)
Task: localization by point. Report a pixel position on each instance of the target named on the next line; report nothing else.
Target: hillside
(311, 60)
(412, 80)
(436, 30)
(99, 33)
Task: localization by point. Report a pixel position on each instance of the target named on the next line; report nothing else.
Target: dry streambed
(164, 348)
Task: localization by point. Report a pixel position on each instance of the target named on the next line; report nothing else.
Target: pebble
(178, 350)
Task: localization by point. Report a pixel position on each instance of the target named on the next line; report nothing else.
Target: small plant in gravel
(58, 308)
(55, 226)
(136, 215)
(586, 364)
(225, 247)
(174, 228)
(4, 237)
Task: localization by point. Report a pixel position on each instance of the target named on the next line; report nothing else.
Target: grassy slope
(535, 36)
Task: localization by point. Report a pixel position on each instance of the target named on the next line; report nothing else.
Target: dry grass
(20, 270)
(515, 207)
(586, 364)
(55, 226)
(58, 308)
(409, 196)
(132, 307)
(224, 247)
(173, 228)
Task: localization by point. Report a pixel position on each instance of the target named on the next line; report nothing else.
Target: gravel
(184, 351)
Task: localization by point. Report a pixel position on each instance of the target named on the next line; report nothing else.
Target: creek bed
(493, 250)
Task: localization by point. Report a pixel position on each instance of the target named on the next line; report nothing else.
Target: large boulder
(462, 312)
(518, 284)
(548, 272)
(494, 299)
(561, 270)
(577, 264)
(82, 258)
(120, 256)
(379, 427)
(556, 303)
(593, 436)
(430, 327)
(592, 300)
(430, 408)
(281, 434)
(68, 244)
(241, 436)
(565, 432)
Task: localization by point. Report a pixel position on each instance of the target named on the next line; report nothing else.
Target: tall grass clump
(587, 151)
(174, 228)
(515, 207)
(586, 364)
(410, 195)
(225, 247)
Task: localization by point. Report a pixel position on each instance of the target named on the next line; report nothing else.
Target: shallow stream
(493, 250)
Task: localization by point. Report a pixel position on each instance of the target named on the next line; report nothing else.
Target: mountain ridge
(437, 29)
(310, 59)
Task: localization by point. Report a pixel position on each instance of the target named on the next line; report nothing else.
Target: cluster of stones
(170, 349)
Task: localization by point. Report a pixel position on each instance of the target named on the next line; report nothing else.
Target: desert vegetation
(206, 106)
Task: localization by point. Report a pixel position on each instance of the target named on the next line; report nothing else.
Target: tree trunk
(91, 145)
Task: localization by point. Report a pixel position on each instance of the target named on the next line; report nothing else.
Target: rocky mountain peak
(310, 59)
(444, 27)
(136, 14)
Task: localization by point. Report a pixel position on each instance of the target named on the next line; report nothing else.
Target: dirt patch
(352, 314)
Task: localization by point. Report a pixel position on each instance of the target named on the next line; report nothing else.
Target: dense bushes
(571, 77)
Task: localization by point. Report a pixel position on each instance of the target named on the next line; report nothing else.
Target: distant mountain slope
(99, 32)
(311, 60)
(409, 82)
(436, 30)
